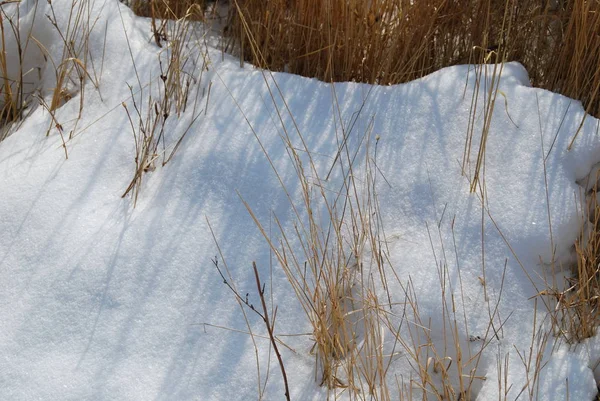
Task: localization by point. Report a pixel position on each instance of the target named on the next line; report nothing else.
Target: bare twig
(265, 317)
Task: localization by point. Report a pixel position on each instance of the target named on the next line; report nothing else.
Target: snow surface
(101, 300)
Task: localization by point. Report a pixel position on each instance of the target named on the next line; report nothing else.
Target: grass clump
(334, 256)
(167, 98)
(331, 262)
(26, 63)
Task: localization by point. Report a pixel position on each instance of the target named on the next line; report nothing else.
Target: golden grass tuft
(332, 263)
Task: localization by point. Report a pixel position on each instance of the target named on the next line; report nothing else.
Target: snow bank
(103, 301)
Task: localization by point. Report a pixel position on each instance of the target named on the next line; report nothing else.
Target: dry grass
(14, 92)
(160, 11)
(394, 41)
(333, 262)
(167, 96)
(578, 305)
(10, 110)
(389, 42)
(336, 260)
(73, 68)
(444, 356)
(335, 257)
(166, 9)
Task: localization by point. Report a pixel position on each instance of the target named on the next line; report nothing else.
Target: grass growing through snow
(332, 261)
(580, 301)
(181, 75)
(13, 85)
(12, 91)
(335, 258)
(72, 69)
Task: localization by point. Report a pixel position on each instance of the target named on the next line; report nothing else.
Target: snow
(102, 300)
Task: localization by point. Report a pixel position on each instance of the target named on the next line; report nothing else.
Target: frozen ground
(104, 301)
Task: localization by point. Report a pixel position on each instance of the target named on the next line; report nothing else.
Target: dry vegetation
(167, 96)
(12, 90)
(578, 305)
(72, 70)
(167, 9)
(337, 264)
(395, 41)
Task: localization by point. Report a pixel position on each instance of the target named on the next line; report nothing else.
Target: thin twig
(265, 317)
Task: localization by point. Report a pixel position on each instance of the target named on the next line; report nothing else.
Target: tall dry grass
(389, 42)
(395, 41)
(333, 260)
(336, 260)
(73, 67)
